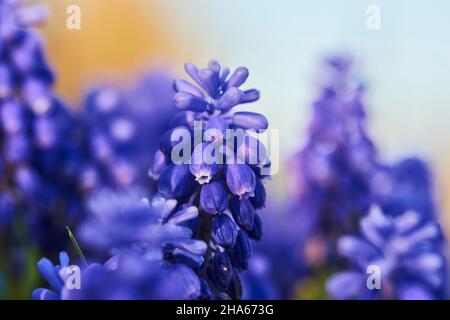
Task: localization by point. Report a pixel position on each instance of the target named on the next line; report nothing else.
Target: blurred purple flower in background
(338, 178)
(331, 179)
(153, 255)
(406, 248)
(258, 282)
(133, 278)
(123, 277)
(125, 222)
(334, 167)
(36, 135)
(120, 130)
(406, 185)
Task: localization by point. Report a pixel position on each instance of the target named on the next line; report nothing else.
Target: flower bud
(230, 98)
(213, 198)
(241, 251)
(221, 270)
(259, 200)
(243, 212)
(224, 231)
(256, 231)
(240, 180)
(238, 77)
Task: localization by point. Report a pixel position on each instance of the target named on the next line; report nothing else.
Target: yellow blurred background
(118, 38)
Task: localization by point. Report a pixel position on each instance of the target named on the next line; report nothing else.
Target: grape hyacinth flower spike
(334, 167)
(226, 193)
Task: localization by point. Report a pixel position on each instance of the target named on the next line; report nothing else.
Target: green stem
(76, 246)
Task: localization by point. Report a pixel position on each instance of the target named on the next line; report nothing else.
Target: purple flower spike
(224, 231)
(241, 180)
(243, 212)
(176, 182)
(188, 101)
(213, 198)
(250, 120)
(211, 102)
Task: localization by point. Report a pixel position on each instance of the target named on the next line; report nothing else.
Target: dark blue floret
(214, 198)
(224, 231)
(241, 251)
(221, 270)
(243, 212)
